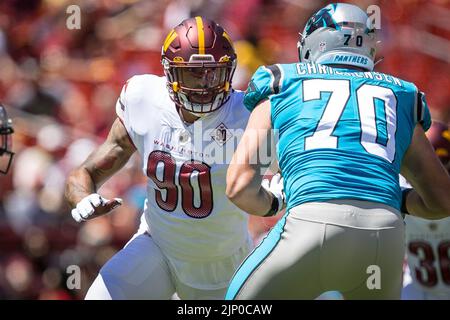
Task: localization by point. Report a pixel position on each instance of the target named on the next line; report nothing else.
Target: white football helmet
(339, 33)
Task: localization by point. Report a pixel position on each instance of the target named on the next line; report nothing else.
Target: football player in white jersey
(183, 126)
(427, 275)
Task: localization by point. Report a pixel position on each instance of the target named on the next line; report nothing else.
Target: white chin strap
(199, 115)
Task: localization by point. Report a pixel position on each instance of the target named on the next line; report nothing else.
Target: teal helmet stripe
(322, 19)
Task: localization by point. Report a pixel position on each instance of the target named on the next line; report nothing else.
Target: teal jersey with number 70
(342, 134)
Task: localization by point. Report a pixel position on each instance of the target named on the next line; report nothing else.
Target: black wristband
(405, 193)
(273, 208)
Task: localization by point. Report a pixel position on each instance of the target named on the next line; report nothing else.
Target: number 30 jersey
(342, 133)
(428, 256)
(186, 209)
(428, 248)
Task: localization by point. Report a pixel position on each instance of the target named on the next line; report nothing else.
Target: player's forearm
(246, 192)
(255, 203)
(431, 209)
(79, 184)
(422, 168)
(101, 165)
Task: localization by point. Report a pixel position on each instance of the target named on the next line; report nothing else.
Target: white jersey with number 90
(187, 212)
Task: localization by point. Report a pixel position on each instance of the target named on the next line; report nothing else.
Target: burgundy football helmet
(6, 131)
(439, 136)
(199, 62)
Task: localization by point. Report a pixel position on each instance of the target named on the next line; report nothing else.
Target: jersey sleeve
(123, 110)
(120, 104)
(422, 113)
(266, 81)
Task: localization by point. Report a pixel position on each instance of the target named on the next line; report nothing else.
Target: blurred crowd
(60, 87)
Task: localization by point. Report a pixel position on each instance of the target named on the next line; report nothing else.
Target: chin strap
(378, 61)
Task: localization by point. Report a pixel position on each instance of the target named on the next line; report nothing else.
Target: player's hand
(275, 187)
(94, 205)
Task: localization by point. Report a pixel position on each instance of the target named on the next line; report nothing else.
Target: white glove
(94, 205)
(275, 187)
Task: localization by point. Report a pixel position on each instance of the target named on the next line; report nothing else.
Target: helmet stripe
(201, 35)
(276, 75)
(226, 36)
(169, 39)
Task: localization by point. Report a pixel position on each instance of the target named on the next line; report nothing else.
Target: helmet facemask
(199, 62)
(199, 87)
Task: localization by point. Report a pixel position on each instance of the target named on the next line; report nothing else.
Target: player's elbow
(441, 209)
(442, 198)
(237, 183)
(439, 206)
(234, 194)
(233, 190)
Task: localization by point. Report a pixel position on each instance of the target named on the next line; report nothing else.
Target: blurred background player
(192, 237)
(6, 130)
(427, 275)
(345, 133)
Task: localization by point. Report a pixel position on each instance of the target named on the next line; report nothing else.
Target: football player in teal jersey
(345, 132)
